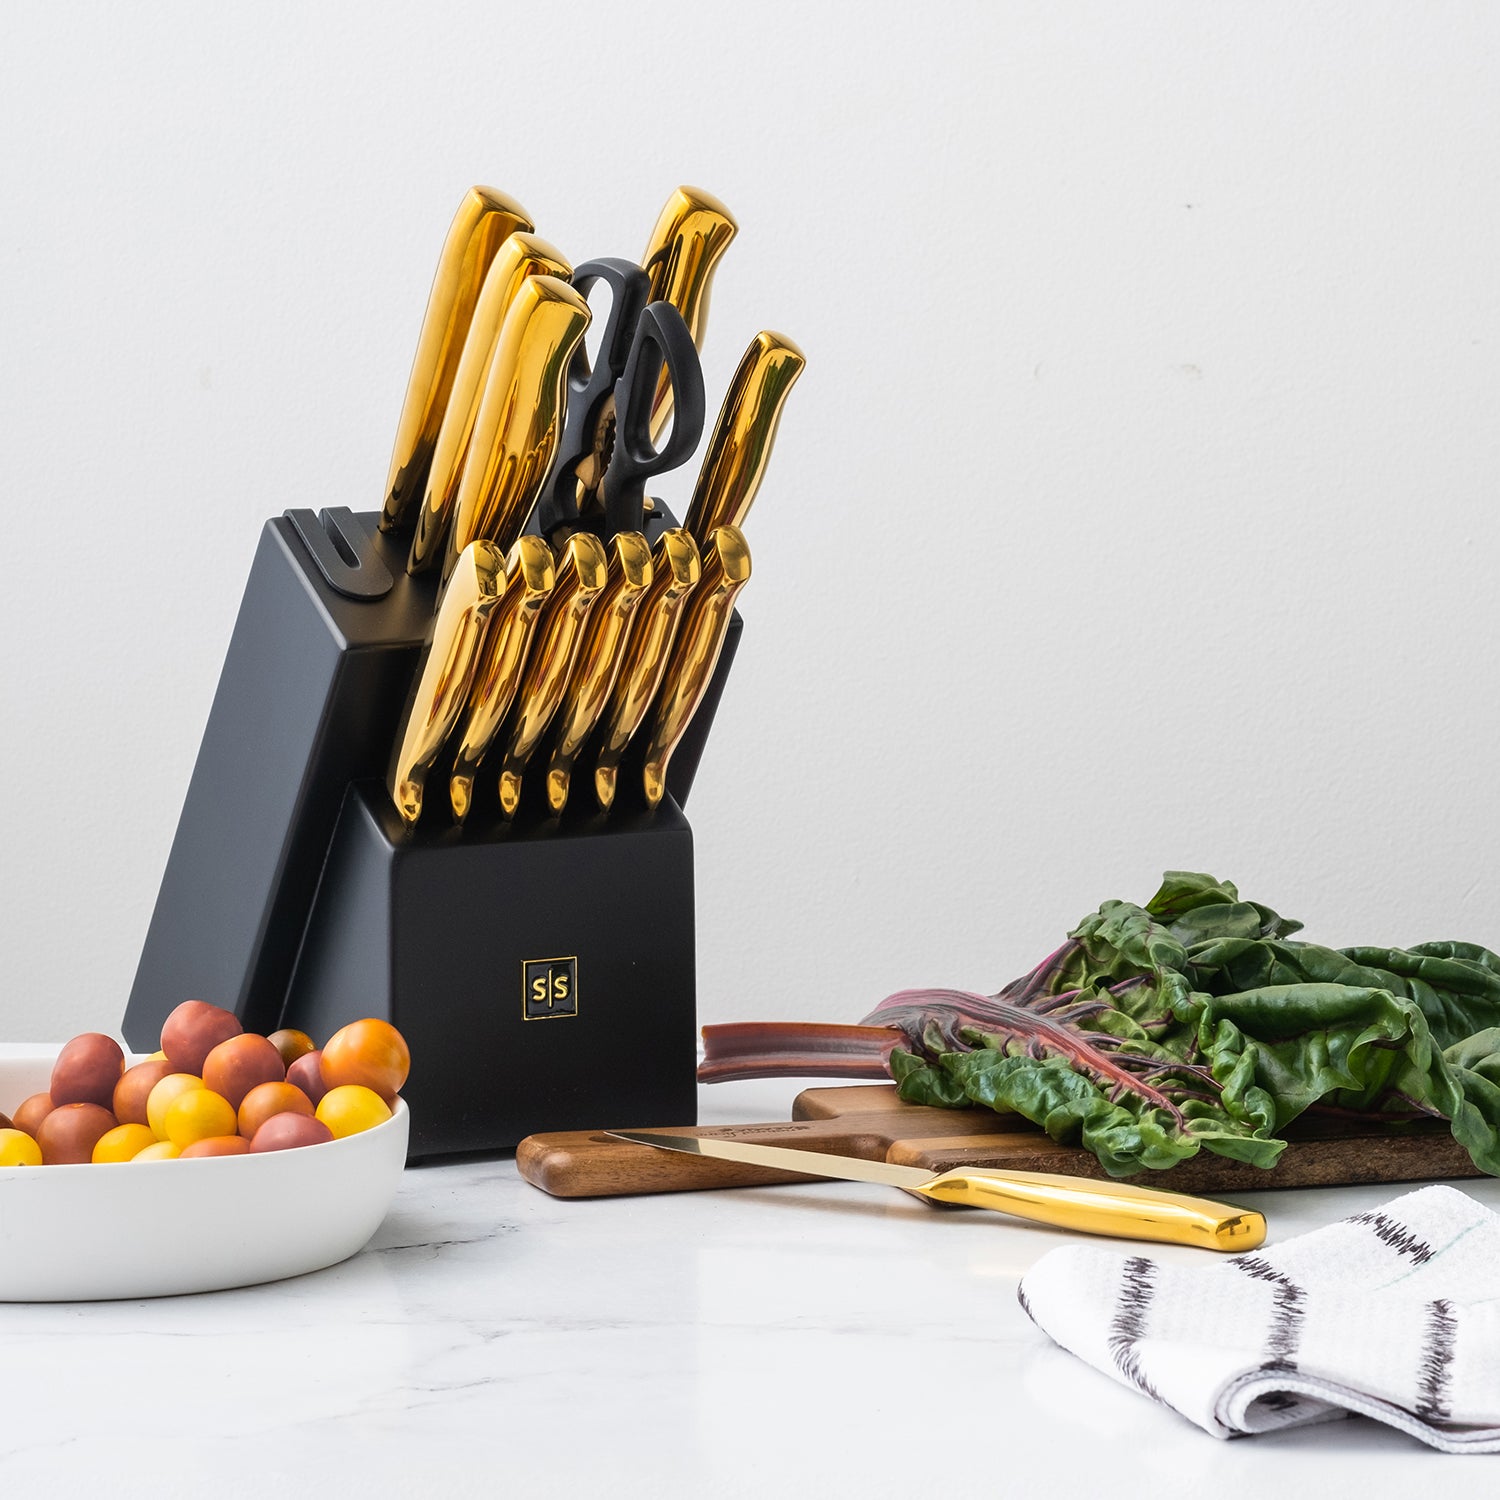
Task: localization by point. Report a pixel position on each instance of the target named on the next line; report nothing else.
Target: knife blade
(675, 571)
(1080, 1203)
(441, 683)
(520, 413)
(695, 653)
(484, 221)
(582, 571)
(599, 660)
(521, 255)
(691, 234)
(530, 575)
(740, 445)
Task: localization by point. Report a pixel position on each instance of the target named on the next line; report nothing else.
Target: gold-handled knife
(691, 235)
(582, 571)
(1080, 1203)
(599, 659)
(695, 652)
(442, 680)
(740, 445)
(484, 221)
(522, 255)
(675, 570)
(520, 413)
(530, 576)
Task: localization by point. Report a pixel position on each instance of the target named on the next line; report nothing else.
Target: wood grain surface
(867, 1120)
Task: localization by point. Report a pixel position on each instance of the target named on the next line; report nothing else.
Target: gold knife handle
(522, 255)
(447, 668)
(484, 221)
(691, 235)
(531, 573)
(520, 413)
(740, 447)
(676, 568)
(599, 659)
(695, 653)
(1095, 1207)
(582, 570)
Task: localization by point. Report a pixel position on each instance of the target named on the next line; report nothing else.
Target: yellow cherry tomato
(351, 1108)
(17, 1149)
(158, 1151)
(155, 1057)
(123, 1143)
(162, 1094)
(197, 1114)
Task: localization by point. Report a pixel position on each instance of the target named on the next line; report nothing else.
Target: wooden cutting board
(868, 1120)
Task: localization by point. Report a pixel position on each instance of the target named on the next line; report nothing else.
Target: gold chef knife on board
(599, 659)
(740, 445)
(441, 686)
(695, 653)
(520, 413)
(691, 235)
(582, 571)
(530, 575)
(484, 221)
(675, 568)
(522, 255)
(1079, 1203)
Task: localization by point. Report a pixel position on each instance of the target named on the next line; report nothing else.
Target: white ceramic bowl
(153, 1229)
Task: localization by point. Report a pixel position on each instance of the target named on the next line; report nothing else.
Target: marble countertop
(815, 1339)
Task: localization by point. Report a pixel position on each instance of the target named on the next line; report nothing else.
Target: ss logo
(549, 987)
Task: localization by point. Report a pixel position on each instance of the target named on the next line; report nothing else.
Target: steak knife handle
(1099, 1207)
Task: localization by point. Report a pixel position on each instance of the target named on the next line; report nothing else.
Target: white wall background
(1137, 508)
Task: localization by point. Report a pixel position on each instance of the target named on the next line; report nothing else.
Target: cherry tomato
(371, 1053)
(17, 1149)
(234, 1067)
(31, 1112)
(196, 1114)
(269, 1099)
(87, 1070)
(69, 1134)
(307, 1074)
(217, 1145)
(159, 1151)
(134, 1088)
(122, 1143)
(350, 1108)
(291, 1044)
(193, 1030)
(287, 1131)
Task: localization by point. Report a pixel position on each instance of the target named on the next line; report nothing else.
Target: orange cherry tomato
(371, 1053)
(122, 1143)
(17, 1149)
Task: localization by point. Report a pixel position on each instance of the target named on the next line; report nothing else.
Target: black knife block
(293, 897)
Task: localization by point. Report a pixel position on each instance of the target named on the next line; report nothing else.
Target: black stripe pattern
(1435, 1374)
(1288, 1305)
(1395, 1234)
(1137, 1288)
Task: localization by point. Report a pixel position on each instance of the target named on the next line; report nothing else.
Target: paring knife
(442, 681)
(530, 576)
(520, 412)
(695, 652)
(675, 568)
(1079, 1203)
(740, 446)
(521, 255)
(582, 570)
(484, 221)
(691, 235)
(599, 659)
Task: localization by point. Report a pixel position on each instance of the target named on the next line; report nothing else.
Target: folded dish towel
(1392, 1314)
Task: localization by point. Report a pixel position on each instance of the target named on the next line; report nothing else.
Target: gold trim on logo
(550, 1015)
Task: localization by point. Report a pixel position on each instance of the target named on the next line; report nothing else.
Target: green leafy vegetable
(1194, 1022)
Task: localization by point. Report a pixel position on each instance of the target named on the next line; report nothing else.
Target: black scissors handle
(584, 441)
(662, 340)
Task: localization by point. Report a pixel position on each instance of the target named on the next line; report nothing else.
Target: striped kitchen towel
(1392, 1314)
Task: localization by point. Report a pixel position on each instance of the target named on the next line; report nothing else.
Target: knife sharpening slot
(292, 896)
(340, 547)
